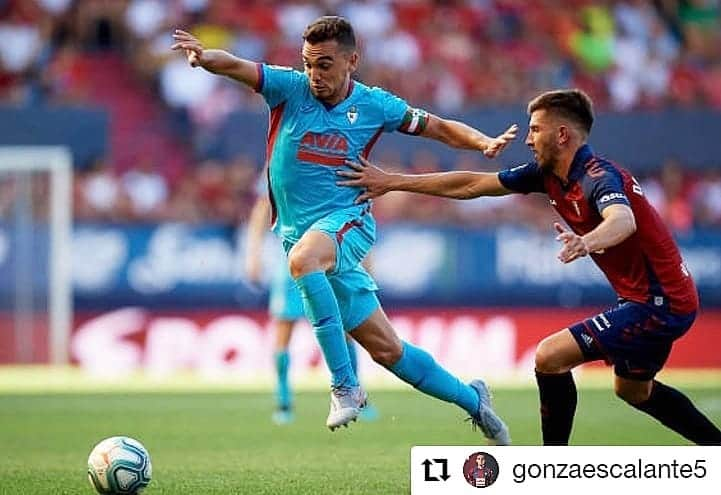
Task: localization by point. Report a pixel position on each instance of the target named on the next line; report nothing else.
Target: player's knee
(636, 394)
(547, 359)
(302, 261)
(386, 355)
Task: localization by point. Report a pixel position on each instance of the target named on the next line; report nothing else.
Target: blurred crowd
(446, 55)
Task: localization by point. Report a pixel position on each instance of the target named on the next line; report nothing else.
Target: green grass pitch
(224, 442)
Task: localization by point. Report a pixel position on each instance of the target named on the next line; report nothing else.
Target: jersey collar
(351, 86)
(578, 165)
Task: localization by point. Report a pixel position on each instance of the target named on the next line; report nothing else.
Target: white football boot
(345, 405)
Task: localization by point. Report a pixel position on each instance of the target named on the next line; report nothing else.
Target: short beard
(552, 160)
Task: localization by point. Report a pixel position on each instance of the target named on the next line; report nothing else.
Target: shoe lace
(341, 390)
(475, 423)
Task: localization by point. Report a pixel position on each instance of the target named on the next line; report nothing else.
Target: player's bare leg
(309, 260)
(284, 403)
(670, 407)
(418, 368)
(632, 391)
(556, 356)
(376, 335)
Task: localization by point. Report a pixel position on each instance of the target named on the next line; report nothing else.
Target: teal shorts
(354, 231)
(285, 302)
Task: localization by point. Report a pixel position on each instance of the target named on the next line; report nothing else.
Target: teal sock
(419, 369)
(353, 354)
(321, 309)
(282, 392)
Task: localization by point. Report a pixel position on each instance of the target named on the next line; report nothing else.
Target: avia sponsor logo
(323, 149)
(611, 196)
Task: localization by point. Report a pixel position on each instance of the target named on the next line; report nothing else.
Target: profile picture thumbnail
(480, 469)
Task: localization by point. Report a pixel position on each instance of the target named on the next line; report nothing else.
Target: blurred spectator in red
(711, 85)
(673, 199)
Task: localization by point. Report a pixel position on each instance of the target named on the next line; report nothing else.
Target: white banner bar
(451, 470)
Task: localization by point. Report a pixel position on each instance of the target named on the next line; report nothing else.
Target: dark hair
(329, 28)
(571, 104)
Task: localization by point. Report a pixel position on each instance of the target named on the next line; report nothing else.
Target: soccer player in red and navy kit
(611, 221)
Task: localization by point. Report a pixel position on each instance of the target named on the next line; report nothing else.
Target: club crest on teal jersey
(352, 114)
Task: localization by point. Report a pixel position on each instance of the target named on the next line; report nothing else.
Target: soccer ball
(119, 466)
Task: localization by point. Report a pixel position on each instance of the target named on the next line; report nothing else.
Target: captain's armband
(414, 121)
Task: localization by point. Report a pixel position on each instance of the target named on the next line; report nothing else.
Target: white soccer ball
(119, 465)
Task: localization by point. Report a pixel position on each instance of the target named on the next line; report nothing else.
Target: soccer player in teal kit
(318, 120)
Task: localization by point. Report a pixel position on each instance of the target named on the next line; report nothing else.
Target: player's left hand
(498, 144)
(190, 45)
(365, 175)
(574, 246)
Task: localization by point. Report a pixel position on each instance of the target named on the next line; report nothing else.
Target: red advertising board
(494, 341)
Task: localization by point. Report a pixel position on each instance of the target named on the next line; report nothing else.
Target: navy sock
(675, 411)
(557, 393)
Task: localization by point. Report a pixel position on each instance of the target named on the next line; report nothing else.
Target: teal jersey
(309, 141)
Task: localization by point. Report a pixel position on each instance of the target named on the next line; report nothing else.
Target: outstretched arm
(216, 61)
(457, 185)
(460, 135)
(618, 224)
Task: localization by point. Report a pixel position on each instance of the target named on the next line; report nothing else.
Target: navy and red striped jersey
(646, 267)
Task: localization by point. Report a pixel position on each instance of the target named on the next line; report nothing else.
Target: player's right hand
(574, 246)
(190, 45)
(371, 179)
(498, 144)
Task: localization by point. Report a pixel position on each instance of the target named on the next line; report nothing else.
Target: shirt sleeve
(526, 178)
(603, 186)
(394, 109)
(277, 84)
